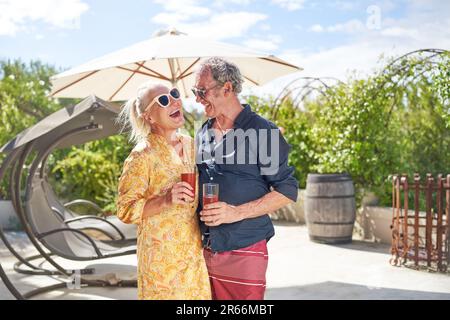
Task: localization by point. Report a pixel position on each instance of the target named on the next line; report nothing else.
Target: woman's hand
(181, 193)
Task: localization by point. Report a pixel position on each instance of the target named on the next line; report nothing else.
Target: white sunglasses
(163, 100)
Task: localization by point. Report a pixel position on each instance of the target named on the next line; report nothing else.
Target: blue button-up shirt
(243, 175)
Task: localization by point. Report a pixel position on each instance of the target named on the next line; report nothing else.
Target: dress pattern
(171, 265)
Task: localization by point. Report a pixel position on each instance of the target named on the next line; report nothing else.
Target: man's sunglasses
(202, 92)
(164, 99)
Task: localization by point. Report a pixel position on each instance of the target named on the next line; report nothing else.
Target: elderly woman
(170, 260)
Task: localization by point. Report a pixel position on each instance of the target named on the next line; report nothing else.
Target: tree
(24, 98)
(395, 121)
(91, 171)
(296, 126)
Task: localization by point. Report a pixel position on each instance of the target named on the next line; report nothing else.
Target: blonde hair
(131, 117)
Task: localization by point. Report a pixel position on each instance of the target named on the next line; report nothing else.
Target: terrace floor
(298, 270)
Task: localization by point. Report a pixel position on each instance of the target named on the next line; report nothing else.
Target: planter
(8, 218)
(293, 212)
(330, 208)
(376, 224)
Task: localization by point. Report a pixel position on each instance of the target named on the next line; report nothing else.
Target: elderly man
(247, 157)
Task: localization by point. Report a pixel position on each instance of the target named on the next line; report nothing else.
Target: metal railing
(420, 222)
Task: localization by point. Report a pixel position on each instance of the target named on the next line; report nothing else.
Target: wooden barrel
(330, 208)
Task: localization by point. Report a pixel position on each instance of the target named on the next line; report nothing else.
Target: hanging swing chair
(52, 228)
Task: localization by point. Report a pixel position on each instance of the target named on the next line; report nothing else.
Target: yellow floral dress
(170, 259)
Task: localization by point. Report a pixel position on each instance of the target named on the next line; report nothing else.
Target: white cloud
(425, 25)
(184, 15)
(177, 11)
(190, 17)
(317, 28)
(352, 26)
(262, 45)
(363, 54)
(188, 6)
(16, 15)
(290, 5)
(338, 62)
(400, 32)
(224, 3)
(223, 25)
(265, 27)
(384, 5)
(267, 45)
(169, 19)
(388, 5)
(346, 5)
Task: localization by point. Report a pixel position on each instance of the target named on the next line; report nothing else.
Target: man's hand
(218, 213)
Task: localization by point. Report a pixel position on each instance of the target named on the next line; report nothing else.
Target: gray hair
(131, 117)
(223, 71)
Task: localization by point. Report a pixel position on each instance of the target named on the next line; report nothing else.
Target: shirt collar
(240, 120)
(242, 117)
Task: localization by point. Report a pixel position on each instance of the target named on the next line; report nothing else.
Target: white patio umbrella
(170, 57)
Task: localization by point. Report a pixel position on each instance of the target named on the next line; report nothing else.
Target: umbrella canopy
(169, 58)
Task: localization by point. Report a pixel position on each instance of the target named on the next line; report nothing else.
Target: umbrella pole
(173, 78)
(180, 78)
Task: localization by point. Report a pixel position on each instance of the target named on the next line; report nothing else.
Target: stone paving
(298, 270)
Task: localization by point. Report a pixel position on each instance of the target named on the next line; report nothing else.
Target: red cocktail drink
(209, 200)
(210, 193)
(191, 179)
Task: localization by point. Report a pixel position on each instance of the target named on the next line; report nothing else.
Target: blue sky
(326, 38)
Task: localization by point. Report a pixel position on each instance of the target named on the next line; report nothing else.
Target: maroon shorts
(238, 274)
